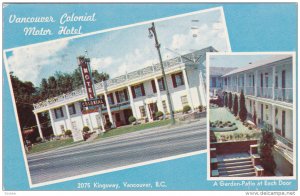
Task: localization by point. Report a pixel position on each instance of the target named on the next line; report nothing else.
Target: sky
(120, 51)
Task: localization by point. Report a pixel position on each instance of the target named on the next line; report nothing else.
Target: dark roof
(220, 71)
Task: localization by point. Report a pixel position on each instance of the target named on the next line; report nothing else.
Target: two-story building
(268, 88)
(140, 93)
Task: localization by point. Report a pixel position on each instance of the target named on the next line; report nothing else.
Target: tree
(254, 116)
(226, 100)
(235, 105)
(98, 77)
(243, 109)
(267, 143)
(230, 101)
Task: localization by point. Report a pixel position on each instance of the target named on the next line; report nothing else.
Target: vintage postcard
(100, 96)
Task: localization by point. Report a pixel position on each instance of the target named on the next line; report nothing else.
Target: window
(58, 113)
(121, 96)
(164, 104)
(177, 79)
(184, 101)
(214, 82)
(72, 109)
(161, 84)
(110, 98)
(138, 91)
(142, 111)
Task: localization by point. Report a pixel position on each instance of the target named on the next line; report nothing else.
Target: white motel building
(140, 93)
(268, 88)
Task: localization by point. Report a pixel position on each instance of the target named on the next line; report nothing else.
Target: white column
(159, 102)
(187, 88)
(39, 126)
(52, 122)
(68, 124)
(147, 111)
(202, 90)
(245, 83)
(273, 83)
(273, 117)
(256, 80)
(237, 83)
(131, 102)
(108, 108)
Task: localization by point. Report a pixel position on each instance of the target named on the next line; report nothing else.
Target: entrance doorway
(153, 109)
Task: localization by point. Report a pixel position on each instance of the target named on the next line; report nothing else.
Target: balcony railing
(284, 94)
(285, 147)
(117, 105)
(265, 92)
(112, 82)
(249, 90)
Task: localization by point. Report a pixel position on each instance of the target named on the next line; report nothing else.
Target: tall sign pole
(152, 31)
(92, 100)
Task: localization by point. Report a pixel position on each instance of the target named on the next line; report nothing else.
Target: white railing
(127, 77)
(249, 90)
(284, 94)
(285, 147)
(265, 92)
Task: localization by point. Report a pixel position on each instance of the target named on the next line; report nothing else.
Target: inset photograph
(251, 115)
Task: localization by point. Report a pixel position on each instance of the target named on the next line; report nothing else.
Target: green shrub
(86, 129)
(200, 108)
(186, 109)
(158, 114)
(68, 132)
(131, 119)
(38, 139)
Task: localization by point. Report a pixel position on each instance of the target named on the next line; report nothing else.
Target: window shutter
(174, 81)
(133, 92)
(143, 89)
(126, 95)
(61, 111)
(103, 99)
(153, 86)
(117, 96)
(163, 83)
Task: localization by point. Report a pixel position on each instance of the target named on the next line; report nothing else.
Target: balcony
(265, 92)
(284, 94)
(250, 90)
(284, 147)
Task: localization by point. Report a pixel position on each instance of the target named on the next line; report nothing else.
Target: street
(117, 151)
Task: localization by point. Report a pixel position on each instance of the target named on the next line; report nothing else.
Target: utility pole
(152, 32)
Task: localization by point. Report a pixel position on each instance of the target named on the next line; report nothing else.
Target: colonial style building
(268, 88)
(139, 93)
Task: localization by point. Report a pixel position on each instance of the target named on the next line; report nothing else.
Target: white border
(31, 185)
(294, 177)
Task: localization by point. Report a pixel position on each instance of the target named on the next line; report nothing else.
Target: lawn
(51, 145)
(133, 128)
(223, 114)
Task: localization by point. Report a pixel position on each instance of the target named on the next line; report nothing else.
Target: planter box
(230, 147)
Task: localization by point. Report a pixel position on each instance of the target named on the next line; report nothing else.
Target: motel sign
(87, 78)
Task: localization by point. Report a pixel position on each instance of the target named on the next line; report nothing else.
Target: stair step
(236, 160)
(242, 174)
(236, 171)
(231, 164)
(237, 167)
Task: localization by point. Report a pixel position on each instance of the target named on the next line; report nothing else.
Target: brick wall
(233, 146)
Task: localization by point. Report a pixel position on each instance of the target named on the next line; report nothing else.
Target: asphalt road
(118, 151)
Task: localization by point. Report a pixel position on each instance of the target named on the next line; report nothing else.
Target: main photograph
(115, 98)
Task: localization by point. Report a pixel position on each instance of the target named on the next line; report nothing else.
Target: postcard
(149, 97)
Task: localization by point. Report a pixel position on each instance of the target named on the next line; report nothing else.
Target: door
(262, 113)
(153, 109)
(118, 119)
(283, 124)
(283, 84)
(261, 84)
(127, 114)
